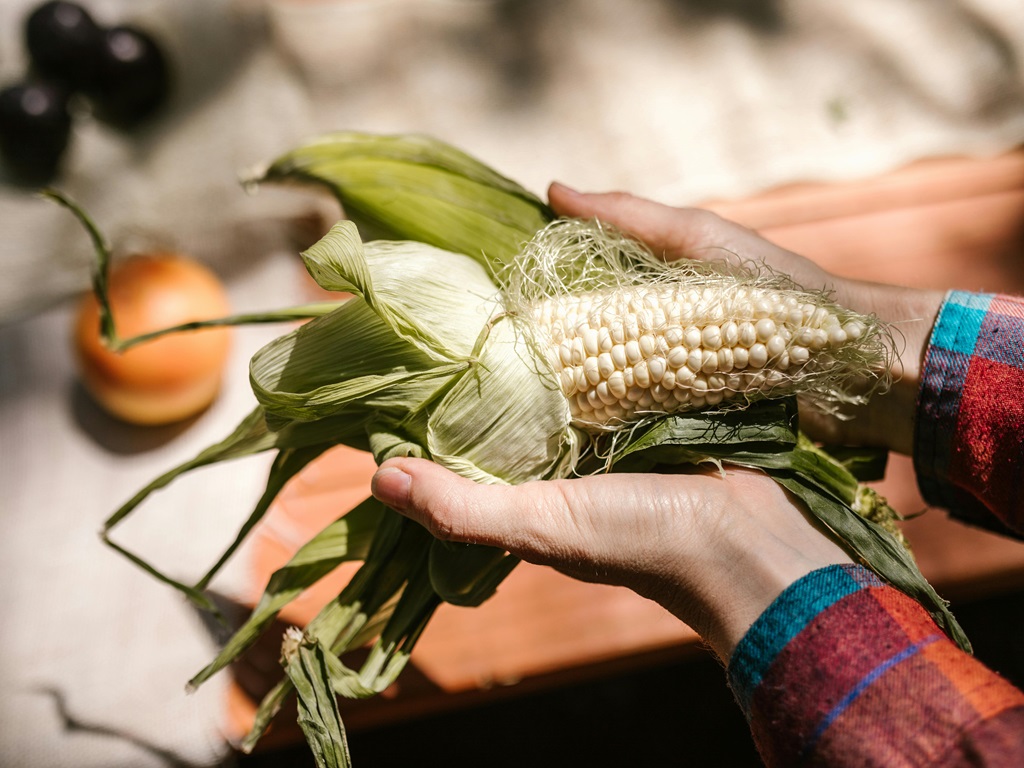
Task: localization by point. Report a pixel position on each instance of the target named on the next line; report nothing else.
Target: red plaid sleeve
(969, 431)
(842, 670)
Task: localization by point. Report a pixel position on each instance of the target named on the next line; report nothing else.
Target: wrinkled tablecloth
(679, 100)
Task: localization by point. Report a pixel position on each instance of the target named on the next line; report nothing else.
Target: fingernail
(391, 486)
(564, 189)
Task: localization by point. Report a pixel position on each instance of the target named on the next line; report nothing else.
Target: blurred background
(881, 137)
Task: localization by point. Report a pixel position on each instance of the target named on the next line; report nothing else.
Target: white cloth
(680, 100)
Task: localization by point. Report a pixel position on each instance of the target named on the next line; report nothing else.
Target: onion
(167, 379)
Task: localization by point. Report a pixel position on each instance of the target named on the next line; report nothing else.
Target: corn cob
(621, 353)
(655, 338)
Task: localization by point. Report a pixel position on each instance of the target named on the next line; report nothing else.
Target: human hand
(714, 548)
(887, 420)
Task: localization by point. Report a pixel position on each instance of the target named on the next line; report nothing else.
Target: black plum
(133, 78)
(35, 126)
(64, 43)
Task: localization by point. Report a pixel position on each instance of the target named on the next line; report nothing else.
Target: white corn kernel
(709, 361)
(579, 377)
(648, 345)
(660, 394)
(730, 333)
(685, 377)
(776, 345)
(641, 375)
(617, 331)
(645, 319)
(820, 340)
(604, 394)
(711, 337)
(765, 328)
(747, 334)
(633, 353)
(618, 353)
(656, 367)
(758, 356)
(677, 357)
(836, 336)
(695, 360)
(617, 384)
(630, 327)
(854, 329)
(565, 353)
(725, 359)
(578, 353)
(740, 357)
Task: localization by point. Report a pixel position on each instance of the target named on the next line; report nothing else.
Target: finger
(528, 520)
(686, 232)
(672, 232)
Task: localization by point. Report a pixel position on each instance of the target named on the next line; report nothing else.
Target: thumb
(618, 529)
(524, 520)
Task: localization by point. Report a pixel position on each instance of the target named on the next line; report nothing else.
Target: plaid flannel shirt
(843, 670)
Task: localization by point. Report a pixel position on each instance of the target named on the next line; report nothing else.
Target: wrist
(888, 420)
(764, 542)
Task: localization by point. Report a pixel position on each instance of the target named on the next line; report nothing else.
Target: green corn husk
(416, 188)
(429, 360)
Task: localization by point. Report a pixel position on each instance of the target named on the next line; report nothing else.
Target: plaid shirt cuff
(969, 432)
(842, 670)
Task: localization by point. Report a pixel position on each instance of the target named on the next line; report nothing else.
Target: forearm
(823, 674)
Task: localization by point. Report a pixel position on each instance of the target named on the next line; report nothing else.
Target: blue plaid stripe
(862, 686)
(960, 321)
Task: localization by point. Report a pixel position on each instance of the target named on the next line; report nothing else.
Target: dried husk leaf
(503, 421)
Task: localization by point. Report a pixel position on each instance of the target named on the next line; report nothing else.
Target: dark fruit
(35, 126)
(132, 77)
(64, 43)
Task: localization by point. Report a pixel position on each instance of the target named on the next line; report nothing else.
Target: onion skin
(168, 379)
